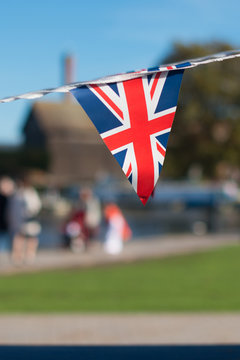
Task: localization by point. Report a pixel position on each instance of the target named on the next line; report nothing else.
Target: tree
(206, 129)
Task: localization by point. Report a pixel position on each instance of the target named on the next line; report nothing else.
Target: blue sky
(105, 37)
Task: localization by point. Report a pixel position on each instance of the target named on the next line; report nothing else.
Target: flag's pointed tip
(144, 200)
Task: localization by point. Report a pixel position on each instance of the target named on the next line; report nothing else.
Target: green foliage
(201, 282)
(206, 130)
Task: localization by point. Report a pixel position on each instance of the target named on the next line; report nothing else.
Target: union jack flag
(134, 119)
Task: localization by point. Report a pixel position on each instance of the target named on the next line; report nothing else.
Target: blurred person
(24, 207)
(92, 212)
(118, 229)
(6, 190)
(75, 232)
(84, 221)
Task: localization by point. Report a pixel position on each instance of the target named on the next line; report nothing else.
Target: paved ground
(154, 247)
(120, 329)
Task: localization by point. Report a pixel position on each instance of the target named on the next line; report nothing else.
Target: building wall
(74, 154)
(74, 162)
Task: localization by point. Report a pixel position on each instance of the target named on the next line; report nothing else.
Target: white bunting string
(127, 76)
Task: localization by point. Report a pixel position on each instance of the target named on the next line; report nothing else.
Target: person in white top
(118, 230)
(24, 206)
(92, 212)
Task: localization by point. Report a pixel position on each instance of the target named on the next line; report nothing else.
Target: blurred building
(74, 148)
(68, 146)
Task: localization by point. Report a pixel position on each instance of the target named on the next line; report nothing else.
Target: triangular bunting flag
(134, 119)
(133, 112)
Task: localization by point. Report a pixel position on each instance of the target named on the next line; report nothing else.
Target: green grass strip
(207, 281)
